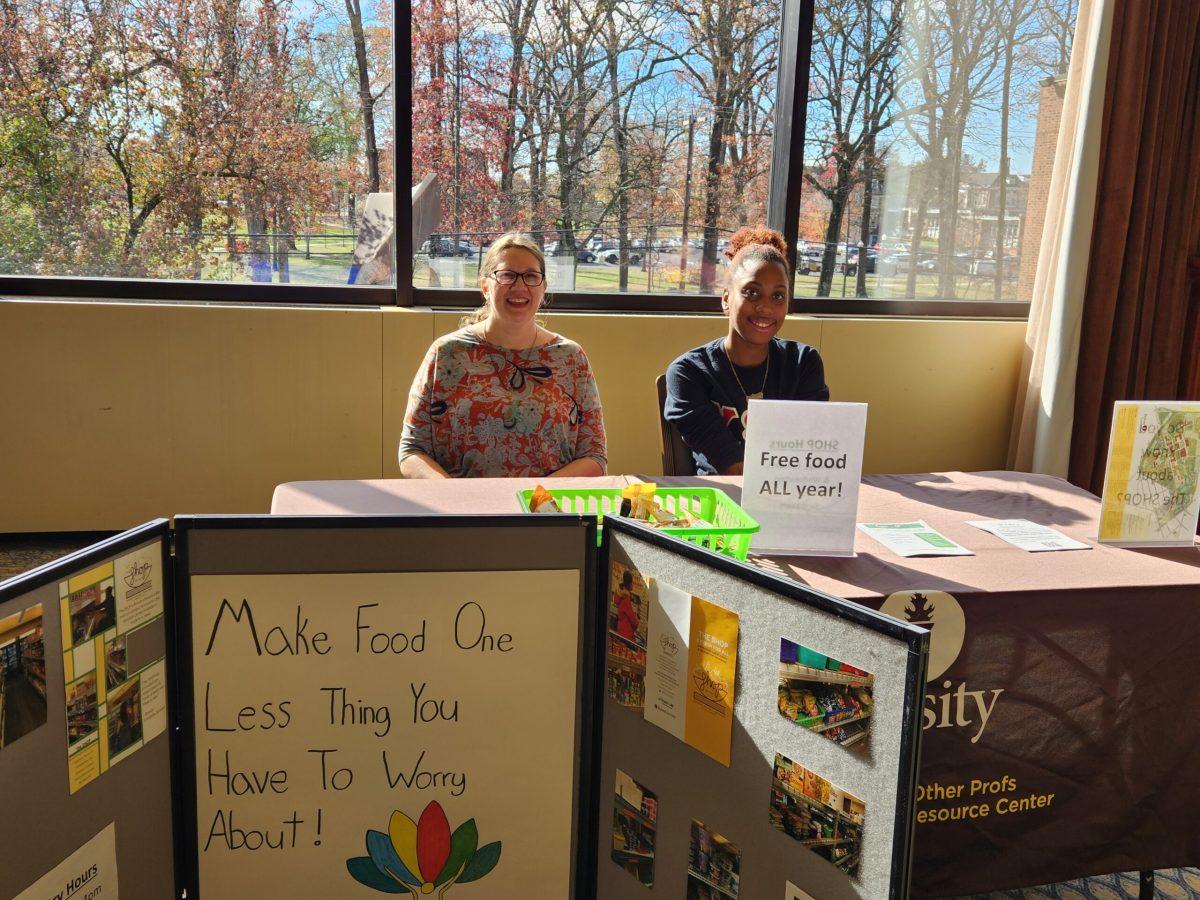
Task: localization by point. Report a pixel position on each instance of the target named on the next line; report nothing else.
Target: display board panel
(823, 731)
(389, 705)
(85, 737)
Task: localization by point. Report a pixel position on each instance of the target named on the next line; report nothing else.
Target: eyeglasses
(508, 276)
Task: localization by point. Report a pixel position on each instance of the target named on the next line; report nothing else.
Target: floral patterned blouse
(481, 410)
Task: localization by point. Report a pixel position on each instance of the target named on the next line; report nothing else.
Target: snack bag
(542, 502)
(634, 498)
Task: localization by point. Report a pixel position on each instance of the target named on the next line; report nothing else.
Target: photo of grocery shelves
(22, 675)
(714, 866)
(635, 822)
(825, 695)
(821, 816)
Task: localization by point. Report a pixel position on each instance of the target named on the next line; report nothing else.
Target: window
(630, 138)
(930, 139)
(231, 143)
(198, 140)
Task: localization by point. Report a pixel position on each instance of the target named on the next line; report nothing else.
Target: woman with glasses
(503, 396)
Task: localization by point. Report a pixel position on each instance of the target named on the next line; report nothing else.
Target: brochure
(913, 539)
(1028, 535)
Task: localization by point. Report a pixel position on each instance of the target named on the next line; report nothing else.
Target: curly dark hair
(756, 244)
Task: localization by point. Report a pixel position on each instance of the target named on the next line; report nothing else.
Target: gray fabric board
(734, 801)
(43, 823)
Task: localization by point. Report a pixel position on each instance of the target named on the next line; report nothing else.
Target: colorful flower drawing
(418, 858)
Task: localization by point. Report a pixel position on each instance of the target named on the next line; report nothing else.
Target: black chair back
(677, 459)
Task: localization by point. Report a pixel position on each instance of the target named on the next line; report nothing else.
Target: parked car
(613, 257)
(438, 245)
(850, 266)
(584, 255)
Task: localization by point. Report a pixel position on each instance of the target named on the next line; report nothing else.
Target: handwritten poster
(406, 733)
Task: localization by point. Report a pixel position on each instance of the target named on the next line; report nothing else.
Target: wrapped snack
(633, 500)
(542, 501)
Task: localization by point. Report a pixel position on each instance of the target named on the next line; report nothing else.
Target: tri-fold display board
(447, 706)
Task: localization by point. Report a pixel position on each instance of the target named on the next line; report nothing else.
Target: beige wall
(116, 413)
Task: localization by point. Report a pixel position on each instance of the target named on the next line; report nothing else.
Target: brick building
(1045, 144)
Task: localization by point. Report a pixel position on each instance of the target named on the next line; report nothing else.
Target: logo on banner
(941, 614)
(420, 857)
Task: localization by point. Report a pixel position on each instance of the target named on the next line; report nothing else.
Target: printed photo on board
(124, 717)
(22, 674)
(822, 817)
(82, 713)
(825, 695)
(116, 665)
(635, 820)
(628, 614)
(714, 866)
(93, 611)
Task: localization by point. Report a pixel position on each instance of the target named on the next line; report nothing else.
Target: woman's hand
(421, 465)
(735, 469)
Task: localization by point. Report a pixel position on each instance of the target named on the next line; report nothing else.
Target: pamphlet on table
(800, 480)
(913, 539)
(1029, 536)
(1150, 481)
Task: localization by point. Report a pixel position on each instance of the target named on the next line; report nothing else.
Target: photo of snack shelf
(22, 675)
(825, 695)
(824, 818)
(635, 821)
(82, 710)
(714, 866)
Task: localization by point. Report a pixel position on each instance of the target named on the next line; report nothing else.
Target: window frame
(783, 213)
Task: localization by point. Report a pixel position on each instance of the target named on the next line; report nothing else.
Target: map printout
(1150, 484)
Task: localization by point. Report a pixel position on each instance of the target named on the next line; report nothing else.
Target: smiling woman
(503, 396)
(709, 388)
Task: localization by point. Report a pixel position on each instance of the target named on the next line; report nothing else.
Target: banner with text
(802, 468)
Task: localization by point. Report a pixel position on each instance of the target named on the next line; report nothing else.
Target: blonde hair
(491, 259)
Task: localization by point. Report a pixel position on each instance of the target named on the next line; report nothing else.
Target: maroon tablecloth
(1063, 685)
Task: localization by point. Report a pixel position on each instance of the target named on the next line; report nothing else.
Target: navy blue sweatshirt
(707, 404)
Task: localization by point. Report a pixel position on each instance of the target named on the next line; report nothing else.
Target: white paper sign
(1028, 535)
(91, 871)
(801, 473)
(913, 539)
(794, 893)
(667, 657)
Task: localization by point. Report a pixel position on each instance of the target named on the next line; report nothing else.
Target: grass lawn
(605, 278)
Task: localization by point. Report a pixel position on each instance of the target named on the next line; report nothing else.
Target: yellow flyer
(712, 667)
(1150, 484)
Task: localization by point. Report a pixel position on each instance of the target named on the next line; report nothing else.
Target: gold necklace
(484, 334)
(757, 395)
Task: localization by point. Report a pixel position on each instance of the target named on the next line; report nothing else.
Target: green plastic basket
(731, 529)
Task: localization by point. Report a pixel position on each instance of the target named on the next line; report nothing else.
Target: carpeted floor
(1174, 883)
(19, 554)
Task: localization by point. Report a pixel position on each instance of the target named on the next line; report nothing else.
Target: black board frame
(917, 640)
(590, 671)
